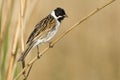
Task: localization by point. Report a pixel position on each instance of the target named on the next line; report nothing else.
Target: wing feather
(42, 28)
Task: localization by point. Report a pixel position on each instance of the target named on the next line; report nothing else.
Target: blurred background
(89, 52)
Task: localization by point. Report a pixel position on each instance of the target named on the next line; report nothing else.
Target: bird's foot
(51, 45)
(38, 55)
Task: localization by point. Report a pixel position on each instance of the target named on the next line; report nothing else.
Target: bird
(44, 31)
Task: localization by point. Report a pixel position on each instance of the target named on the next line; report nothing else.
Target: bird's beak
(65, 16)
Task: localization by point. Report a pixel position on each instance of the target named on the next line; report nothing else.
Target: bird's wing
(42, 28)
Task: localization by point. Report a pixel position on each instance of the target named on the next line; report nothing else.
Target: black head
(60, 14)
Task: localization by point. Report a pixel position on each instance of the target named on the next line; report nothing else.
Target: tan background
(89, 52)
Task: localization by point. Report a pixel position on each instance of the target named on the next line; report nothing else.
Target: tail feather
(24, 54)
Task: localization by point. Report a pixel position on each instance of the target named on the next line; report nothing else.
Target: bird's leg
(38, 52)
(51, 45)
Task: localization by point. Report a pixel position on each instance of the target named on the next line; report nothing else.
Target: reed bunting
(44, 31)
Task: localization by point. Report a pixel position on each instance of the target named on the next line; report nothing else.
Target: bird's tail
(24, 54)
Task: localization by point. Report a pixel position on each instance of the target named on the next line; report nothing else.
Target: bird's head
(59, 14)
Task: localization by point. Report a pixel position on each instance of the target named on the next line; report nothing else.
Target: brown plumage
(40, 31)
(45, 30)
